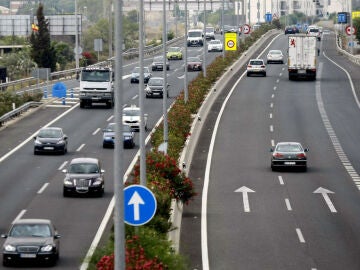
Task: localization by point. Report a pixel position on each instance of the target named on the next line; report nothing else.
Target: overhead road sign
(139, 205)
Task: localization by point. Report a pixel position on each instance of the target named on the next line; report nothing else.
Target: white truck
(302, 56)
(195, 37)
(96, 86)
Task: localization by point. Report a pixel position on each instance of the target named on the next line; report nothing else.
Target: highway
(248, 217)
(31, 186)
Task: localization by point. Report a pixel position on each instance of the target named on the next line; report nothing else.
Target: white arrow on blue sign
(140, 205)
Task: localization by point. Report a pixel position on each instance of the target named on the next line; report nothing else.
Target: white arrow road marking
(136, 200)
(324, 192)
(245, 190)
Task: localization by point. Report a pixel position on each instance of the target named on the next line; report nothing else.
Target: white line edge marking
(20, 215)
(62, 165)
(300, 235)
(288, 205)
(204, 240)
(41, 190)
(281, 180)
(80, 147)
(333, 138)
(96, 131)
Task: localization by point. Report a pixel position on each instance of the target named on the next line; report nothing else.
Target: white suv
(256, 66)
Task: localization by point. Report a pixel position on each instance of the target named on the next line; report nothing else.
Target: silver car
(275, 56)
(289, 155)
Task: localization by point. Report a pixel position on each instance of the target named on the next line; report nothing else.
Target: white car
(131, 117)
(256, 66)
(215, 46)
(275, 56)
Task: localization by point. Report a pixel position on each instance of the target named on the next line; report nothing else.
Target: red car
(194, 64)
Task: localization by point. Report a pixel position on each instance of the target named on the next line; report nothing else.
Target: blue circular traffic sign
(139, 205)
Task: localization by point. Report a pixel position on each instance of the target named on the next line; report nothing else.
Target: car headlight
(97, 182)
(127, 137)
(68, 182)
(107, 137)
(10, 248)
(82, 94)
(147, 89)
(47, 248)
(37, 142)
(60, 142)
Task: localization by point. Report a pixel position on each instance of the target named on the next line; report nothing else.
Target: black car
(109, 136)
(158, 63)
(155, 87)
(31, 240)
(84, 176)
(50, 140)
(289, 155)
(135, 75)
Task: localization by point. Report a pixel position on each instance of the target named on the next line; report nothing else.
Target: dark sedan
(109, 136)
(135, 75)
(194, 64)
(50, 140)
(289, 155)
(31, 240)
(84, 176)
(158, 63)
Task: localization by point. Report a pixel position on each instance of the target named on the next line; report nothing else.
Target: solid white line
(42, 188)
(80, 147)
(34, 134)
(20, 215)
(62, 165)
(288, 205)
(281, 181)
(96, 131)
(204, 240)
(300, 235)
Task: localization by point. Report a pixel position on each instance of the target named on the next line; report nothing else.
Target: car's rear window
(256, 62)
(288, 148)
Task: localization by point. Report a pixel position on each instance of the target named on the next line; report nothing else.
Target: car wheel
(264, 74)
(248, 74)
(35, 152)
(65, 193)
(64, 150)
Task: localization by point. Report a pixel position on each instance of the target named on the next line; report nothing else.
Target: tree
(356, 24)
(42, 52)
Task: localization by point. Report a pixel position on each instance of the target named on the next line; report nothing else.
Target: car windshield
(95, 75)
(137, 70)
(195, 34)
(314, 30)
(156, 81)
(158, 59)
(30, 230)
(275, 52)
(84, 168)
(256, 62)
(49, 133)
(174, 49)
(131, 113)
(209, 29)
(289, 148)
(193, 59)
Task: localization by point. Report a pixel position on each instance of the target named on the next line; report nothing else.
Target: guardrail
(18, 111)
(32, 83)
(353, 58)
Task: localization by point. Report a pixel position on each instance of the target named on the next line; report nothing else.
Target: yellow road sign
(230, 42)
(355, 14)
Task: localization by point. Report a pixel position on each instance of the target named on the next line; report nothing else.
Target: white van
(195, 37)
